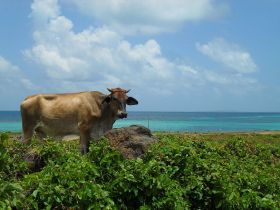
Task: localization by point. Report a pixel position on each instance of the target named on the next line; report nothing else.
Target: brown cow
(88, 114)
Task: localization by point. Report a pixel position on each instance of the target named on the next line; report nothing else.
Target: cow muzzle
(122, 115)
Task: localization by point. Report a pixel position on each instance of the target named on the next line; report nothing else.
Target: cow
(87, 114)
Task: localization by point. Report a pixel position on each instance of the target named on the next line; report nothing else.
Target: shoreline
(220, 132)
(272, 132)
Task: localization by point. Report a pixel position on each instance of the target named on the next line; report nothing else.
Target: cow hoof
(84, 150)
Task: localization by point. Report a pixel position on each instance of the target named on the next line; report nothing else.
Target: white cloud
(231, 55)
(8, 69)
(101, 57)
(12, 77)
(44, 10)
(95, 54)
(149, 16)
(237, 80)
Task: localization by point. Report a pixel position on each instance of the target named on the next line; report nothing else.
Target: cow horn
(127, 91)
(111, 91)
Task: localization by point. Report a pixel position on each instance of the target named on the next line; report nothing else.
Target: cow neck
(108, 112)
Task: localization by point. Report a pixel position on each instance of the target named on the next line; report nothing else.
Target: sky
(174, 55)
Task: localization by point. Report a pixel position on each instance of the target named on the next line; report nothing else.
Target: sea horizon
(179, 121)
(223, 111)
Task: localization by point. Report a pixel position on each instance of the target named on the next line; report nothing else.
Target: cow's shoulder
(96, 94)
(93, 103)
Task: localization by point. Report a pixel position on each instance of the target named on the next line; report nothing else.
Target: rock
(132, 141)
(70, 137)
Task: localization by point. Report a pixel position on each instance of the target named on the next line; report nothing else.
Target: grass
(180, 171)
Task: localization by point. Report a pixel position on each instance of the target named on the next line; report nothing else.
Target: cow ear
(107, 99)
(131, 101)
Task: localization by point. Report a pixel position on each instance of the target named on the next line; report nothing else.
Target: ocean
(178, 121)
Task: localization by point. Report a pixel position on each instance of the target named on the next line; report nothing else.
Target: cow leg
(27, 135)
(84, 138)
(84, 142)
(28, 130)
(28, 126)
(40, 133)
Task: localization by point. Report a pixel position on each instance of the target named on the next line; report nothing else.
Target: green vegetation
(181, 171)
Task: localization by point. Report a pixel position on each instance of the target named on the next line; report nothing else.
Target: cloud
(229, 54)
(100, 57)
(11, 77)
(97, 55)
(233, 83)
(42, 11)
(149, 16)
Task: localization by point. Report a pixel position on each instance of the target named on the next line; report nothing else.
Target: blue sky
(175, 55)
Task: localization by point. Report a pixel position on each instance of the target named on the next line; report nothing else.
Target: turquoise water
(178, 121)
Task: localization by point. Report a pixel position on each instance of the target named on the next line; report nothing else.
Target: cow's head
(118, 101)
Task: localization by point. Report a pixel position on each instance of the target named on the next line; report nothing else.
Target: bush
(176, 173)
(150, 183)
(70, 184)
